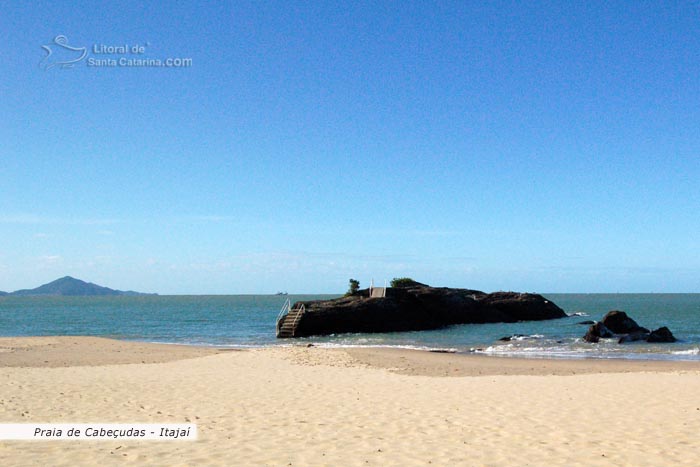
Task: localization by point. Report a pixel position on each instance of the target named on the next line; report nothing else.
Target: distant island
(71, 287)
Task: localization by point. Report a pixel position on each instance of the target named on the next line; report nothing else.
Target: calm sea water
(249, 321)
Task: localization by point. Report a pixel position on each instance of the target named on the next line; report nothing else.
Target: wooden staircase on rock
(288, 320)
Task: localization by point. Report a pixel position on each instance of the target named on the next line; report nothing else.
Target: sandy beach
(312, 406)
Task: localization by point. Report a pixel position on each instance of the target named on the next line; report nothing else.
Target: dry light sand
(310, 406)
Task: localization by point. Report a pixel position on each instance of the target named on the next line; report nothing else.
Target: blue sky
(550, 147)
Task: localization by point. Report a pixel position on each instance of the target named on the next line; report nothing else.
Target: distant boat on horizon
(281, 293)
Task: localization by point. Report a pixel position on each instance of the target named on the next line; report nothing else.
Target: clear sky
(532, 146)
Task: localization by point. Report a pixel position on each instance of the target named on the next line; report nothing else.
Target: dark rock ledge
(419, 307)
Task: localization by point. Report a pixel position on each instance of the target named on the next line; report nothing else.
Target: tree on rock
(354, 286)
(403, 282)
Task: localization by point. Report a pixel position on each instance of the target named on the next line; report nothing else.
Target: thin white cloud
(21, 219)
(31, 219)
(214, 266)
(50, 258)
(48, 261)
(211, 218)
(282, 256)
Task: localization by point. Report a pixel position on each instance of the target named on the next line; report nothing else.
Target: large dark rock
(619, 323)
(596, 332)
(420, 307)
(661, 335)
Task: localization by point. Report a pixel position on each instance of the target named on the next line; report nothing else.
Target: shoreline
(71, 351)
(426, 363)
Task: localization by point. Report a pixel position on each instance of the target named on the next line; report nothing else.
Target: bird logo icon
(61, 54)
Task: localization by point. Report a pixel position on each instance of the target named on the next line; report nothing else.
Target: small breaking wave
(521, 337)
(347, 345)
(695, 351)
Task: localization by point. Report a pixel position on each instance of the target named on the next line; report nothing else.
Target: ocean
(249, 321)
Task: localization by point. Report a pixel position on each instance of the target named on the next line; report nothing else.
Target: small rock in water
(596, 331)
(661, 335)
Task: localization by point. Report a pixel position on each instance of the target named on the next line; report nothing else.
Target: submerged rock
(633, 337)
(519, 337)
(510, 338)
(418, 307)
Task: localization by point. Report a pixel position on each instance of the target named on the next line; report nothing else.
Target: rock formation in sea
(412, 308)
(663, 334)
(617, 324)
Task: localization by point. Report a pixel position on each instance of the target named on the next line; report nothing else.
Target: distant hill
(3, 293)
(69, 286)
